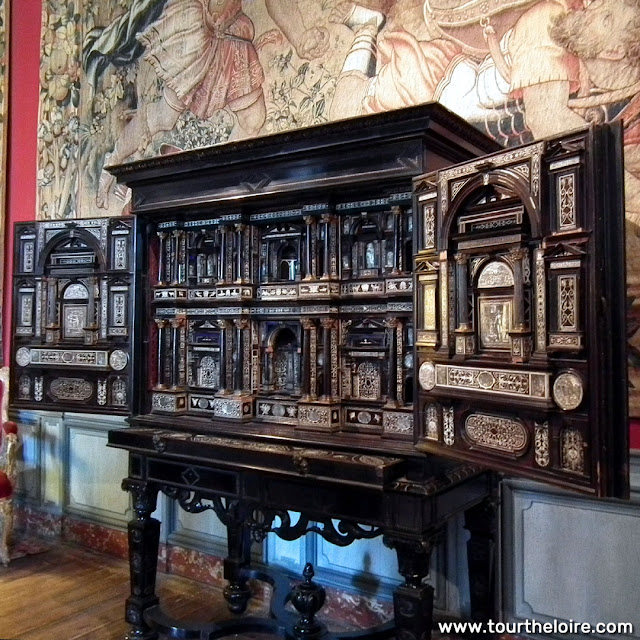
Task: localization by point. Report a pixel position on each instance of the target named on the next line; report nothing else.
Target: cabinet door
(519, 312)
(74, 286)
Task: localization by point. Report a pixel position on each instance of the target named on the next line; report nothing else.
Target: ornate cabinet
(325, 309)
(280, 273)
(520, 297)
(74, 290)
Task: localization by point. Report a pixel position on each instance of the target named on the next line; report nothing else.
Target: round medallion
(568, 391)
(427, 376)
(23, 356)
(118, 360)
(486, 380)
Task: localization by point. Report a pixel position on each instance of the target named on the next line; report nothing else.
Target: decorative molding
(515, 383)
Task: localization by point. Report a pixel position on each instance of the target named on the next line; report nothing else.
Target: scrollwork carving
(190, 501)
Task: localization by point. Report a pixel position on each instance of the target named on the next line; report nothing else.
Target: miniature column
(326, 220)
(306, 323)
(239, 251)
(334, 360)
(161, 324)
(313, 360)
(91, 303)
(162, 256)
(392, 387)
(310, 265)
(540, 303)
(223, 254)
(52, 305)
(516, 256)
(462, 291)
(465, 342)
(238, 378)
(224, 327)
(175, 262)
(397, 253)
(399, 371)
(90, 329)
(327, 326)
(177, 363)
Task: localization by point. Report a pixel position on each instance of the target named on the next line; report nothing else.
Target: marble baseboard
(354, 611)
(37, 522)
(96, 537)
(195, 565)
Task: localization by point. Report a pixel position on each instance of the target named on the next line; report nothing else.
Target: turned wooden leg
(237, 593)
(144, 537)
(481, 522)
(413, 600)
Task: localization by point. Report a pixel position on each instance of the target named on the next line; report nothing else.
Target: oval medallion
(118, 360)
(494, 432)
(427, 376)
(568, 391)
(71, 389)
(23, 356)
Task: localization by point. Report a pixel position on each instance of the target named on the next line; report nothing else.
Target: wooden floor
(67, 593)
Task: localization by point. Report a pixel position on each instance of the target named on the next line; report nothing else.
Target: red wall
(24, 83)
(22, 143)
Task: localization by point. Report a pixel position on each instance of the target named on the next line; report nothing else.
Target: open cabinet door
(519, 312)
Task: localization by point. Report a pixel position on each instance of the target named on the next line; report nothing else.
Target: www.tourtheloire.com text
(560, 627)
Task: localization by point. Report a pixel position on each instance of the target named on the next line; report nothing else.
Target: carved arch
(64, 236)
(504, 178)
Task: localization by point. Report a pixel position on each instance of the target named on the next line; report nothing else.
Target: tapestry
(127, 79)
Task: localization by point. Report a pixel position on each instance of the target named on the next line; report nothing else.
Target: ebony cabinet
(74, 290)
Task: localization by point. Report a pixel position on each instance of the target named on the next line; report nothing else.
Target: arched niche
(287, 262)
(492, 231)
(204, 257)
(69, 250)
(282, 362)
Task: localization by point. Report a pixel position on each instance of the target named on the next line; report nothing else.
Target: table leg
(237, 593)
(144, 537)
(481, 522)
(413, 600)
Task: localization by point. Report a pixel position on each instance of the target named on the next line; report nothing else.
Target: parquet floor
(68, 593)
